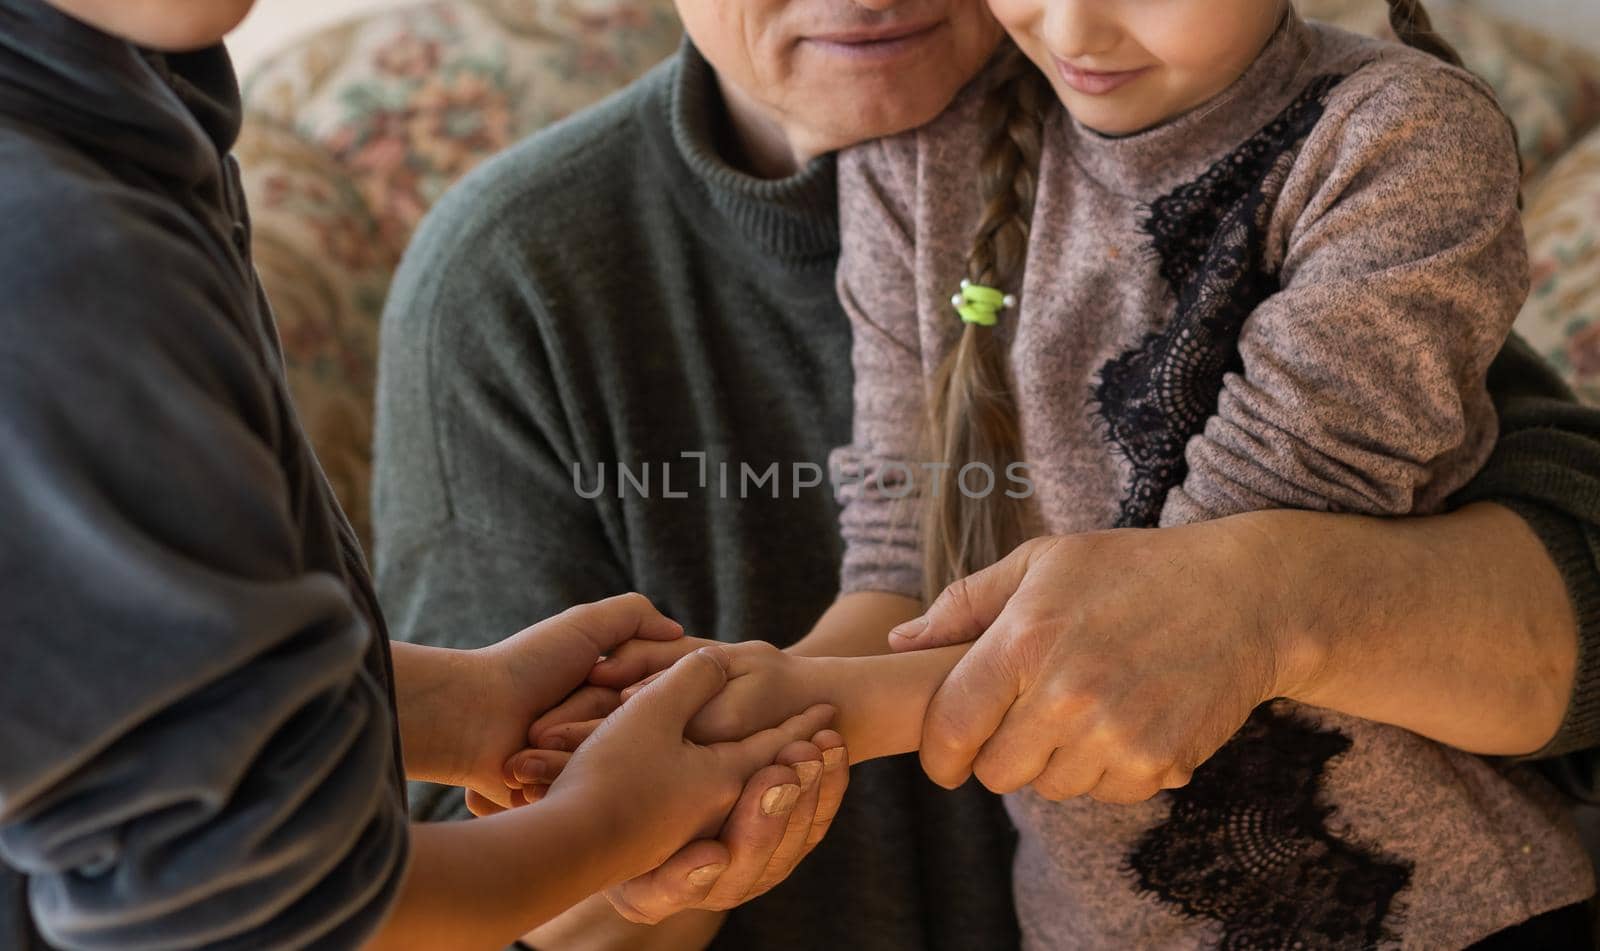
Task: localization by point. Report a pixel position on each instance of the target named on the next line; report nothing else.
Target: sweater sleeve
(1546, 468)
(478, 528)
(878, 480)
(1363, 378)
(192, 753)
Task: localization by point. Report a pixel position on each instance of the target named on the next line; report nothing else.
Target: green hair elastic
(981, 305)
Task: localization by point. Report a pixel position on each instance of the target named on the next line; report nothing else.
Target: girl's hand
(654, 789)
(765, 685)
(636, 660)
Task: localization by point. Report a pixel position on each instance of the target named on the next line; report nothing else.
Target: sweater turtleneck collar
(1162, 157)
(794, 218)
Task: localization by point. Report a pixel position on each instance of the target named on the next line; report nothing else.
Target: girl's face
(1120, 66)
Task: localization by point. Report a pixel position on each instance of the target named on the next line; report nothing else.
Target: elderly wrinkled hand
(1108, 664)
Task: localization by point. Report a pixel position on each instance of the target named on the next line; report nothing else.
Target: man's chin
(861, 122)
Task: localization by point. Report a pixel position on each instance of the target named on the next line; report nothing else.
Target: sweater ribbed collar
(795, 219)
(1161, 158)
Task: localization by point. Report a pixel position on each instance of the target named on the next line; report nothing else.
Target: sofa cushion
(409, 100)
(1562, 316)
(1549, 88)
(354, 133)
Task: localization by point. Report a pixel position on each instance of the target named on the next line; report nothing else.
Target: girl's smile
(1123, 66)
(1097, 82)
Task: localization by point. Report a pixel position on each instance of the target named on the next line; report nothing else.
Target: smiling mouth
(1096, 83)
(880, 43)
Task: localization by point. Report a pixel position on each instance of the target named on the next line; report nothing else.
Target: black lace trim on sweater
(1246, 844)
(1209, 237)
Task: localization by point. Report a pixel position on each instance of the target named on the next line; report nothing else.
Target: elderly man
(614, 360)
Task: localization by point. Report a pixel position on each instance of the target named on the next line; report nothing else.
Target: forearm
(1457, 627)
(432, 685)
(881, 701)
(593, 925)
(477, 885)
(857, 625)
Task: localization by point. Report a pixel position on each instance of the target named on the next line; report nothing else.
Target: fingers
(970, 605)
(746, 756)
(1022, 745)
(638, 659)
(531, 772)
(1068, 775)
(680, 883)
(830, 790)
(806, 758)
(630, 690)
(677, 694)
(615, 620)
(480, 805)
(755, 829)
(567, 737)
(585, 703)
(966, 710)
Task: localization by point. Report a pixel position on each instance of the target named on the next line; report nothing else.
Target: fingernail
(912, 630)
(529, 771)
(557, 743)
(833, 757)
(706, 874)
(809, 771)
(780, 799)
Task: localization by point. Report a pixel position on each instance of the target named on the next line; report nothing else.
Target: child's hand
(627, 664)
(765, 685)
(651, 788)
(636, 660)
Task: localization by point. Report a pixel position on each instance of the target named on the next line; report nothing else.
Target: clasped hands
(750, 804)
(1107, 664)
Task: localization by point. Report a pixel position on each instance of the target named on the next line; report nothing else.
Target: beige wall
(277, 21)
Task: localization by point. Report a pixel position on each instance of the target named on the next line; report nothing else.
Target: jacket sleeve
(191, 753)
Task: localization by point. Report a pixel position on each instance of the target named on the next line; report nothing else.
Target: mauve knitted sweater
(1288, 297)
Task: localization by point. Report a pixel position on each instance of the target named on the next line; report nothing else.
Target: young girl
(1253, 263)
(1206, 258)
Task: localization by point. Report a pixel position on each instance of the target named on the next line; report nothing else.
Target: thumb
(965, 609)
(609, 623)
(676, 694)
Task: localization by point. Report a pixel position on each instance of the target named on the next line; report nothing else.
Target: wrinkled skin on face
(813, 76)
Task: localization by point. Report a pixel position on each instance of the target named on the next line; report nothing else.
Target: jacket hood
(171, 114)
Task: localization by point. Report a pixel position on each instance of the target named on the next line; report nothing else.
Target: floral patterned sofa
(354, 133)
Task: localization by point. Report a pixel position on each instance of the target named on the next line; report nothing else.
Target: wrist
(435, 690)
(605, 850)
(882, 701)
(1279, 598)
